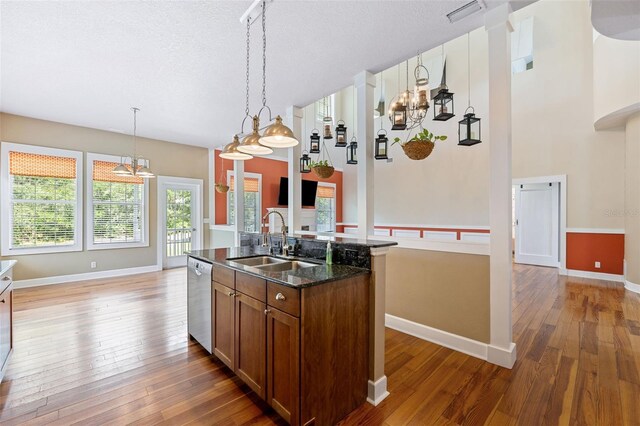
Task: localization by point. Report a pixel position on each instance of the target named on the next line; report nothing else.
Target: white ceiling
(616, 18)
(182, 62)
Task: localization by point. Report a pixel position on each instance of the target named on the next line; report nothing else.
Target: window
(324, 105)
(41, 200)
(252, 201)
(326, 207)
(117, 206)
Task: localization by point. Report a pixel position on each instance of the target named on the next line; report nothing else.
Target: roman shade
(103, 172)
(250, 184)
(38, 165)
(326, 192)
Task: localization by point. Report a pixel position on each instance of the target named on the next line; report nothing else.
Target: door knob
(280, 296)
(267, 311)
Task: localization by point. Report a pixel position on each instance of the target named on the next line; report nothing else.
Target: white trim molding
(592, 275)
(595, 231)
(501, 356)
(62, 279)
(377, 391)
(631, 286)
(454, 246)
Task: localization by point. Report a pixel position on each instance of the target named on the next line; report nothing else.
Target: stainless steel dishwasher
(199, 301)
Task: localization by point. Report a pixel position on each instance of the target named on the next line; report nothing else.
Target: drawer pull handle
(280, 296)
(267, 311)
(232, 294)
(3, 300)
(6, 278)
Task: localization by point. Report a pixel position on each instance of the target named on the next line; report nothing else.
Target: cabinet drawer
(285, 298)
(224, 276)
(251, 286)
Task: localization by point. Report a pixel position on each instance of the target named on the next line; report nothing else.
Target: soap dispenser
(329, 256)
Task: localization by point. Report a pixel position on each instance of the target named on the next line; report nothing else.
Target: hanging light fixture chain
(246, 108)
(264, 53)
(468, 70)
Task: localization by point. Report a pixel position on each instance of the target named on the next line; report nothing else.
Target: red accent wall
(271, 171)
(584, 249)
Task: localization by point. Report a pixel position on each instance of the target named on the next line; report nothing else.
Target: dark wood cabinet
(303, 350)
(223, 323)
(283, 364)
(251, 342)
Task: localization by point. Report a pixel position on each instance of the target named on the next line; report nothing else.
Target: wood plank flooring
(116, 351)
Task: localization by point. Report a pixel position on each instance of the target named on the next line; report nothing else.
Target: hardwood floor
(116, 351)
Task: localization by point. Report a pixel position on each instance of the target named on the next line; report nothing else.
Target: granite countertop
(5, 265)
(304, 277)
(354, 241)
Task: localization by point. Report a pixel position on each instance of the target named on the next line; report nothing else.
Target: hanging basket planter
(222, 188)
(418, 149)
(323, 172)
(420, 146)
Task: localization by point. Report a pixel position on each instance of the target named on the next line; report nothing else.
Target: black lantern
(469, 129)
(399, 116)
(382, 145)
(305, 163)
(443, 105)
(315, 142)
(341, 135)
(352, 158)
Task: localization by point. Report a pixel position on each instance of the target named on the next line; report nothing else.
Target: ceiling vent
(464, 11)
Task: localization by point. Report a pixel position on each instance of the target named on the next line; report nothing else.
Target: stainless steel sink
(293, 265)
(259, 261)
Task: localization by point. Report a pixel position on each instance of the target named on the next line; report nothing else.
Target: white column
(238, 199)
(501, 348)
(211, 220)
(294, 122)
(365, 83)
(632, 204)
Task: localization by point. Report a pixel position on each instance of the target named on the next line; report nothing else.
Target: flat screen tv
(309, 188)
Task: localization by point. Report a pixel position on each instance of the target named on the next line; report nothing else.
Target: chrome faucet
(265, 235)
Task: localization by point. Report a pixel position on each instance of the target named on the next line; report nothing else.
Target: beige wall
(167, 159)
(430, 288)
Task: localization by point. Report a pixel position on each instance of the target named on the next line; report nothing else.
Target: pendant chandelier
(469, 127)
(134, 165)
(409, 108)
(276, 135)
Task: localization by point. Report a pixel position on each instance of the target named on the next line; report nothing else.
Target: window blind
(43, 200)
(250, 184)
(118, 206)
(326, 192)
(38, 165)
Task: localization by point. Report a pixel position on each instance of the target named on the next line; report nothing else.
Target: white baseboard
(631, 286)
(593, 275)
(440, 337)
(501, 356)
(377, 391)
(60, 279)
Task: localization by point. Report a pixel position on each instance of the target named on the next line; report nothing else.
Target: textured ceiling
(182, 62)
(618, 19)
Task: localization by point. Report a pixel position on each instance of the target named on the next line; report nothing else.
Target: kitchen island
(294, 329)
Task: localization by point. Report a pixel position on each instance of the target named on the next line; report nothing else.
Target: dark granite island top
(300, 278)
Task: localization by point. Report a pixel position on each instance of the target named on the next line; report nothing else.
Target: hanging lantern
(443, 105)
(398, 116)
(422, 94)
(327, 122)
(341, 135)
(469, 129)
(305, 163)
(382, 145)
(351, 152)
(315, 142)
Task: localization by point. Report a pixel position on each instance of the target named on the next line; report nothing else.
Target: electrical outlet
(597, 265)
(94, 265)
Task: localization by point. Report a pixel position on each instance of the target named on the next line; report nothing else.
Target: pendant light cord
(264, 55)
(246, 108)
(468, 71)
(135, 128)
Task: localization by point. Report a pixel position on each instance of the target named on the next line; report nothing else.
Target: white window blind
(116, 208)
(43, 198)
(252, 201)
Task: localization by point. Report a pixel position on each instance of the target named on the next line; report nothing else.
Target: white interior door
(179, 220)
(537, 218)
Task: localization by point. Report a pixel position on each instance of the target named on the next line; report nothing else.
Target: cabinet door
(251, 324)
(222, 327)
(5, 325)
(283, 364)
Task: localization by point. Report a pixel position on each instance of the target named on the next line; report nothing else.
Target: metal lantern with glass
(134, 165)
(381, 145)
(352, 158)
(469, 127)
(341, 135)
(327, 121)
(443, 105)
(305, 163)
(314, 145)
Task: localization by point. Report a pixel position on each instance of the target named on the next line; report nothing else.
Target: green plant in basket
(421, 145)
